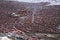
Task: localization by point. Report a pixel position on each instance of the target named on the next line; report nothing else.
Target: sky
(53, 2)
(36, 1)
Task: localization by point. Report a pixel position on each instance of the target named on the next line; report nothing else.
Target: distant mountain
(29, 17)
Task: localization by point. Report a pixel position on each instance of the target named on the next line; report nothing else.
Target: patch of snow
(58, 27)
(14, 14)
(4, 38)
